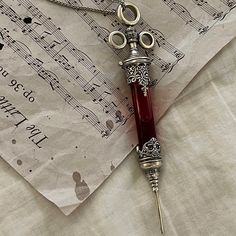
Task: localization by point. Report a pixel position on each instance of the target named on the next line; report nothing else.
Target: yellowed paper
(66, 114)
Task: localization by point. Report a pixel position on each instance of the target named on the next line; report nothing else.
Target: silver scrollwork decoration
(151, 150)
(150, 161)
(139, 72)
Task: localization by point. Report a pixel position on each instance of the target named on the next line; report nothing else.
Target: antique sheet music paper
(65, 109)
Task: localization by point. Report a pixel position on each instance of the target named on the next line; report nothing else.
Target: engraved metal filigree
(150, 161)
(151, 149)
(140, 73)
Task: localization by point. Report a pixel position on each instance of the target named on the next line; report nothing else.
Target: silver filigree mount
(139, 72)
(151, 151)
(150, 161)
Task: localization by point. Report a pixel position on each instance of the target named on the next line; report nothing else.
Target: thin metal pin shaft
(159, 211)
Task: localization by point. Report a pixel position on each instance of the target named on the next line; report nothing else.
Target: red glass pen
(136, 67)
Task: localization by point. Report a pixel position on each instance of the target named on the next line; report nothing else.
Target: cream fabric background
(198, 184)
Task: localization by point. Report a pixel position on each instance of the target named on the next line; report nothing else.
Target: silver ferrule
(150, 161)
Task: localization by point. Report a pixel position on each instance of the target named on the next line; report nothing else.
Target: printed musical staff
(49, 47)
(229, 3)
(52, 80)
(162, 42)
(184, 14)
(81, 57)
(210, 10)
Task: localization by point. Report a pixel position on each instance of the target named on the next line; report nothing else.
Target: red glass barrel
(143, 114)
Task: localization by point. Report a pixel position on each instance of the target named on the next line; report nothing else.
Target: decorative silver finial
(150, 161)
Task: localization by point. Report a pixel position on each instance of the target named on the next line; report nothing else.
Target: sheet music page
(66, 114)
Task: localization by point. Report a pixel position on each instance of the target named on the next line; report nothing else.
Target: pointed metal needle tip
(159, 212)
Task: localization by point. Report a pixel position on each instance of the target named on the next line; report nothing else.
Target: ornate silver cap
(136, 66)
(150, 161)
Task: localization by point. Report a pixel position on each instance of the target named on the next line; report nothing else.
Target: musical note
(68, 98)
(51, 45)
(54, 83)
(184, 14)
(34, 10)
(44, 35)
(36, 63)
(115, 23)
(8, 11)
(230, 3)
(63, 61)
(210, 10)
(163, 43)
(4, 33)
(27, 29)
